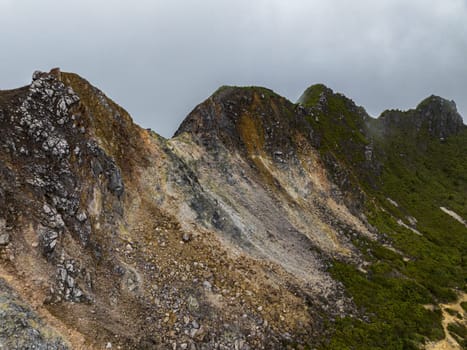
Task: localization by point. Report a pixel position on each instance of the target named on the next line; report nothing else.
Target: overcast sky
(160, 58)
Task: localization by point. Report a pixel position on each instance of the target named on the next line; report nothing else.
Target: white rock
(47, 209)
(4, 238)
(81, 216)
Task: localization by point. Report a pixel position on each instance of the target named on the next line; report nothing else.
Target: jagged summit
(313, 94)
(225, 108)
(437, 104)
(322, 97)
(224, 113)
(442, 116)
(435, 115)
(336, 119)
(252, 119)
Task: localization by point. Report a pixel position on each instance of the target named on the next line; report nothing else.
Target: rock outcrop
(21, 328)
(434, 115)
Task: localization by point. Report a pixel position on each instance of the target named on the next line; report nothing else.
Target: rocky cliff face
(261, 224)
(434, 115)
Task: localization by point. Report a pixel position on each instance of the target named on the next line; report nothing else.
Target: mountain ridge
(260, 224)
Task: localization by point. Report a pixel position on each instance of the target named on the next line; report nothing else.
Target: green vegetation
(265, 92)
(429, 175)
(453, 312)
(458, 332)
(397, 319)
(464, 305)
(338, 122)
(420, 173)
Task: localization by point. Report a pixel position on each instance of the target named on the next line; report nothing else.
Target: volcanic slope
(261, 224)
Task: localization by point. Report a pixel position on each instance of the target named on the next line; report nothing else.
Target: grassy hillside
(410, 173)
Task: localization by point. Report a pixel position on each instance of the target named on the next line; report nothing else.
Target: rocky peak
(435, 115)
(316, 93)
(51, 152)
(340, 131)
(441, 116)
(321, 98)
(251, 119)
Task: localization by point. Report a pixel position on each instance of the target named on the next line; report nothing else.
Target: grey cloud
(160, 58)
